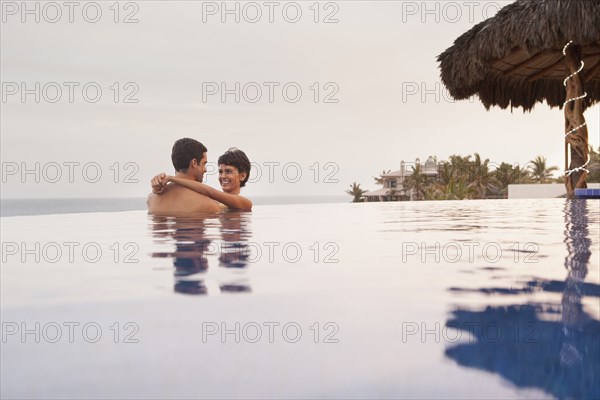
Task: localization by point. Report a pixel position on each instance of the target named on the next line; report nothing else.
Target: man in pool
(189, 159)
(234, 172)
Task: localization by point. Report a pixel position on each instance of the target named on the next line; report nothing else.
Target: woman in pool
(234, 172)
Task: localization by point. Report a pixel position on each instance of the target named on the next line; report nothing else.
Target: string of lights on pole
(583, 167)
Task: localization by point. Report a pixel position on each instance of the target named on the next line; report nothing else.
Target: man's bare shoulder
(180, 199)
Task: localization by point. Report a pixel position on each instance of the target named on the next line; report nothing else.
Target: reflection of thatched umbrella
(516, 59)
(520, 343)
(527, 348)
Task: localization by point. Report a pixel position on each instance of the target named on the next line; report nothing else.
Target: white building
(393, 182)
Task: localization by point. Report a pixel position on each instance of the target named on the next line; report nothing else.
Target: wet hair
(184, 151)
(238, 159)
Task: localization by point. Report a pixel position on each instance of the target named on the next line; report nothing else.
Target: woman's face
(230, 178)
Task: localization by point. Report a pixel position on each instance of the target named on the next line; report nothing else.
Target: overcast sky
(362, 108)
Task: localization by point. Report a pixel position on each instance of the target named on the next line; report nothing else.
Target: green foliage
(540, 173)
(471, 177)
(418, 182)
(356, 192)
(507, 174)
(594, 166)
(379, 180)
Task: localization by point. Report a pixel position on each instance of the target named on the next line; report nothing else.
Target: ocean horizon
(25, 207)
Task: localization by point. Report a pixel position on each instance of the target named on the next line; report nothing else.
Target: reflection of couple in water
(194, 244)
(185, 193)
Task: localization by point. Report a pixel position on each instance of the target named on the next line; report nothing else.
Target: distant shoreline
(25, 207)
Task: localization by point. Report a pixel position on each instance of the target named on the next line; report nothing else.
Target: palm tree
(379, 181)
(452, 191)
(482, 180)
(447, 173)
(356, 191)
(539, 171)
(460, 166)
(417, 182)
(458, 169)
(506, 174)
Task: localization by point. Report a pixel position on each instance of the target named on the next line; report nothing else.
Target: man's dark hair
(238, 159)
(184, 151)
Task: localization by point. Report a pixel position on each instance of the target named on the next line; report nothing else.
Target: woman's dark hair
(237, 158)
(184, 151)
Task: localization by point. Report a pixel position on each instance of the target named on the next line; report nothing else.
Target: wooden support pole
(577, 141)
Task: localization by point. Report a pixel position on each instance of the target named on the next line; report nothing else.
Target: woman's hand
(159, 183)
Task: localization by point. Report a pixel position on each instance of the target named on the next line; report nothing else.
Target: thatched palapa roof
(515, 58)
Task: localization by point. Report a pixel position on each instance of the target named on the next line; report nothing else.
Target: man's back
(178, 199)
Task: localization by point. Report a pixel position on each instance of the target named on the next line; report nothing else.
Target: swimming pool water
(454, 299)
